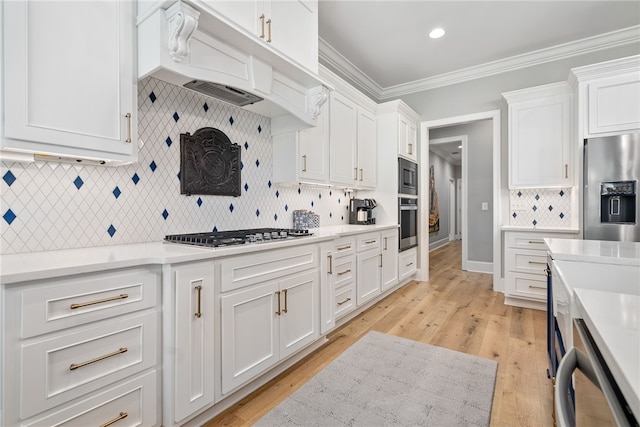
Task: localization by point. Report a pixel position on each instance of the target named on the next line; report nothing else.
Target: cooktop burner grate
(236, 237)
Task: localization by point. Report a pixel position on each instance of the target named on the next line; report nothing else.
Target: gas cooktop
(236, 237)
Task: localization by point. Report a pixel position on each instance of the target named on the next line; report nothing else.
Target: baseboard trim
(438, 244)
(479, 267)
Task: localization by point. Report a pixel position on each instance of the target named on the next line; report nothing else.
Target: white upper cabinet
(540, 136)
(291, 27)
(609, 97)
(407, 137)
(69, 79)
(366, 148)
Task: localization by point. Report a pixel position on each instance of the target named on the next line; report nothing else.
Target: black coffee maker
(361, 211)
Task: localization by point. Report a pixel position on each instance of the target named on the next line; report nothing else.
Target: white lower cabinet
(389, 259)
(192, 372)
(369, 266)
(263, 324)
(407, 263)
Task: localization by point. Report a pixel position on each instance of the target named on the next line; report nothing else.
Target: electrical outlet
(485, 206)
(518, 205)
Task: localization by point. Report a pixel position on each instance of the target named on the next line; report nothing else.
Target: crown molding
(609, 40)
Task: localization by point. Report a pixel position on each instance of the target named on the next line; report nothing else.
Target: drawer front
(344, 271)
(345, 300)
(527, 286)
(79, 300)
(133, 403)
(368, 241)
(533, 241)
(344, 247)
(524, 261)
(247, 270)
(65, 367)
(408, 263)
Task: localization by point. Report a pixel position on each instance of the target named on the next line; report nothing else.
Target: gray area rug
(384, 380)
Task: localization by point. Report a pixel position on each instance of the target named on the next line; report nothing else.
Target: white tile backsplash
(540, 207)
(47, 205)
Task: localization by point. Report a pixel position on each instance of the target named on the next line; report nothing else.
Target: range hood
(190, 45)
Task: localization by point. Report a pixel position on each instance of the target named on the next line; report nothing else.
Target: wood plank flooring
(455, 309)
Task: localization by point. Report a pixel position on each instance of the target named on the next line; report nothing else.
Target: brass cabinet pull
(410, 148)
(340, 273)
(385, 244)
(198, 313)
(100, 301)
(344, 248)
(360, 174)
(330, 259)
(278, 295)
(355, 173)
(304, 163)
(380, 265)
(128, 140)
(566, 171)
(537, 287)
(269, 24)
(75, 366)
(409, 265)
(345, 301)
(262, 26)
(115, 420)
(536, 241)
(537, 262)
(368, 242)
(284, 310)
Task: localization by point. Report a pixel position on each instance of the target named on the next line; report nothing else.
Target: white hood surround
(187, 42)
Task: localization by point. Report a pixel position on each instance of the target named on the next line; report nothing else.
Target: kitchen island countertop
(596, 251)
(15, 268)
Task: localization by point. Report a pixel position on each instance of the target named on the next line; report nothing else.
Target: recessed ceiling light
(436, 33)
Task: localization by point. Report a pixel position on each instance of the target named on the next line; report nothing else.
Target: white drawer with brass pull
(526, 261)
(345, 300)
(365, 242)
(126, 404)
(407, 263)
(344, 246)
(64, 367)
(49, 306)
(531, 285)
(344, 270)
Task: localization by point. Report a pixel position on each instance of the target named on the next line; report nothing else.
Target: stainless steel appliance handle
(409, 208)
(572, 360)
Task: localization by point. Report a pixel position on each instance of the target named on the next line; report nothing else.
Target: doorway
(495, 267)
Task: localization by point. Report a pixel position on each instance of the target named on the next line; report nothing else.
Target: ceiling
(383, 48)
(450, 151)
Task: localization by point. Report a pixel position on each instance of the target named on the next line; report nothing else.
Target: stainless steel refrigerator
(611, 175)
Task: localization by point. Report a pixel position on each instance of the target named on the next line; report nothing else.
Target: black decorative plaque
(209, 164)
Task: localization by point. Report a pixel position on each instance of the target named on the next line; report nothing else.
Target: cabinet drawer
(57, 370)
(132, 403)
(345, 300)
(368, 241)
(344, 270)
(527, 285)
(407, 263)
(344, 246)
(526, 261)
(60, 304)
(246, 270)
(527, 241)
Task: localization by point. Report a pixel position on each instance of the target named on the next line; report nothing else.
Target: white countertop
(598, 251)
(16, 268)
(540, 229)
(614, 322)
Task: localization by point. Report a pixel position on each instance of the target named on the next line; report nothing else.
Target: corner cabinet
(73, 85)
(540, 136)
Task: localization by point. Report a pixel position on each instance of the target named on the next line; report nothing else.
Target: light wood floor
(455, 309)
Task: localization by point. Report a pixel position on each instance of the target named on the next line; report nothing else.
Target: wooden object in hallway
(456, 310)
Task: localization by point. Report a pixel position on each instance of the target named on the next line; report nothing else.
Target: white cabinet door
(389, 259)
(327, 289)
(368, 273)
(299, 312)
(614, 104)
(540, 138)
(314, 150)
(194, 339)
(407, 135)
(294, 30)
(367, 152)
(249, 333)
(72, 85)
(342, 139)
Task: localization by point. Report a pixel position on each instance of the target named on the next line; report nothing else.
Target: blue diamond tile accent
(342, 218)
(535, 208)
(135, 178)
(312, 203)
(259, 129)
(231, 120)
(550, 208)
(199, 201)
(320, 196)
(561, 193)
(116, 192)
(561, 215)
(241, 165)
(168, 141)
(246, 145)
(330, 194)
(257, 212)
(246, 187)
(178, 175)
(165, 214)
(152, 97)
(215, 229)
(519, 193)
(537, 197)
(286, 208)
(205, 107)
(277, 194)
(153, 166)
(9, 216)
(515, 215)
(111, 230)
(330, 215)
(269, 184)
(257, 163)
(9, 178)
(275, 217)
(176, 117)
(338, 200)
(78, 182)
(535, 222)
(231, 208)
(299, 191)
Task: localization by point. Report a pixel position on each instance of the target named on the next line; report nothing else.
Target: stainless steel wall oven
(408, 219)
(407, 177)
